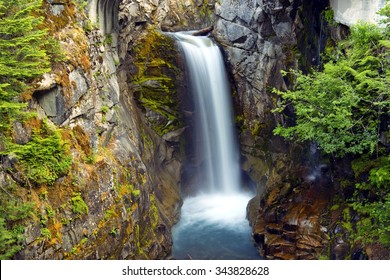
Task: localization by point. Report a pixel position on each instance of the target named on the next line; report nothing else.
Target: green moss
(109, 213)
(45, 158)
(113, 231)
(84, 240)
(135, 193)
(257, 126)
(335, 207)
(50, 212)
(43, 195)
(104, 109)
(43, 219)
(78, 204)
(65, 221)
(206, 11)
(45, 232)
(323, 257)
(328, 15)
(155, 58)
(346, 214)
(153, 212)
(140, 251)
(77, 249)
(90, 159)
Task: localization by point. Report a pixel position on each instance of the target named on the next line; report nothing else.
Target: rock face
(260, 39)
(117, 95)
(110, 99)
(169, 15)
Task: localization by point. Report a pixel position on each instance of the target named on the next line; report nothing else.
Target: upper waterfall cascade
(215, 142)
(350, 12)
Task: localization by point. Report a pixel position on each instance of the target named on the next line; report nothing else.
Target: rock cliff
(116, 96)
(260, 39)
(290, 215)
(118, 112)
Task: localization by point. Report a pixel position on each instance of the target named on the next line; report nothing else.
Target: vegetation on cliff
(155, 58)
(23, 54)
(341, 107)
(345, 110)
(41, 158)
(76, 192)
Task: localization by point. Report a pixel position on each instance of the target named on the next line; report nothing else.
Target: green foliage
(78, 204)
(54, 50)
(90, 159)
(329, 17)
(385, 12)
(344, 109)
(105, 109)
(136, 193)
(23, 55)
(50, 212)
(12, 213)
(362, 165)
(113, 231)
(43, 159)
(341, 107)
(108, 40)
(109, 213)
(45, 232)
(155, 58)
(25, 51)
(10, 243)
(372, 202)
(82, 4)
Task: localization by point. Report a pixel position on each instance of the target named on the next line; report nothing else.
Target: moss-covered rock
(155, 80)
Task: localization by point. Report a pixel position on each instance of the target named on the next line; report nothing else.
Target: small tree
(342, 109)
(22, 54)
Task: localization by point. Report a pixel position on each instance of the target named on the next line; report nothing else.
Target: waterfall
(213, 117)
(213, 222)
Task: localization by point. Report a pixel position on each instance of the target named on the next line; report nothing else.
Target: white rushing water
(216, 143)
(350, 12)
(213, 221)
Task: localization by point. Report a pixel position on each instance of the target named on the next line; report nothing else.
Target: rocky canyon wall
(116, 97)
(260, 39)
(290, 215)
(110, 100)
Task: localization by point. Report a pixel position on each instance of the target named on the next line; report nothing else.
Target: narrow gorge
(136, 140)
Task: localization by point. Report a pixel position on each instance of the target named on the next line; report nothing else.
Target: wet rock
(290, 236)
(174, 136)
(340, 251)
(311, 241)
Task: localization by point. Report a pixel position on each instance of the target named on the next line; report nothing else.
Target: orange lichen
(85, 62)
(82, 139)
(33, 123)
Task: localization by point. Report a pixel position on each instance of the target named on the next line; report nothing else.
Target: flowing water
(213, 221)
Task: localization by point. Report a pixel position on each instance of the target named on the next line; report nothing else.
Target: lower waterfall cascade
(213, 221)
